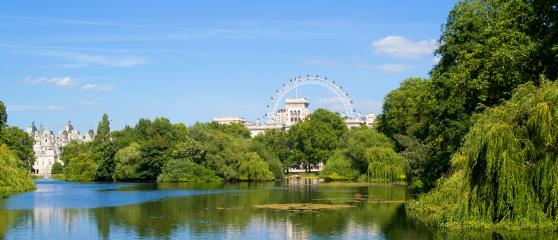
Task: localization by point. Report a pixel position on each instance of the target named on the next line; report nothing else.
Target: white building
(368, 120)
(296, 109)
(48, 146)
(229, 120)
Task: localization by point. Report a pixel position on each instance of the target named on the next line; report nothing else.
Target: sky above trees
(193, 61)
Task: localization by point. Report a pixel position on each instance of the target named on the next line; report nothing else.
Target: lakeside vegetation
(161, 151)
(15, 154)
(486, 159)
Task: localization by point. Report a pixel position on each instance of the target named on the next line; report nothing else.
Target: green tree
(3, 116)
(21, 144)
(505, 172)
(14, 177)
(356, 142)
(339, 167)
(190, 149)
(384, 164)
(73, 149)
(57, 168)
(127, 163)
(487, 49)
(273, 162)
(277, 142)
(252, 167)
(80, 168)
(185, 170)
(103, 130)
(403, 109)
(314, 139)
(104, 151)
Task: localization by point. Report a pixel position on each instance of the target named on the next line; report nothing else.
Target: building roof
(296, 101)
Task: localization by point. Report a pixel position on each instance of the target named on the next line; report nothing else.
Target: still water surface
(63, 210)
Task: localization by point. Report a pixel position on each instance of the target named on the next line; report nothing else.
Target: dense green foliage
(17, 140)
(127, 162)
(364, 151)
(80, 168)
(14, 177)
(487, 49)
(278, 143)
(57, 168)
(339, 167)
(506, 170)
(314, 140)
(211, 152)
(16, 158)
(159, 150)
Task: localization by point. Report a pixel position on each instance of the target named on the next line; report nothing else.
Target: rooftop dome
(69, 127)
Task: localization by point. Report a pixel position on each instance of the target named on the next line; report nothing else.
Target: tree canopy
(487, 49)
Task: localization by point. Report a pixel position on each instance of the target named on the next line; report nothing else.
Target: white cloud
(400, 47)
(314, 61)
(63, 81)
(56, 81)
(91, 87)
(394, 68)
(82, 60)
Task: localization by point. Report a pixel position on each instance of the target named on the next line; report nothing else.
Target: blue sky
(193, 60)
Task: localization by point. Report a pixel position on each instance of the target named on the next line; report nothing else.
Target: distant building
(368, 120)
(296, 109)
(229, 120)
(48, 146)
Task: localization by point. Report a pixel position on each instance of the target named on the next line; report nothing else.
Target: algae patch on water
(303, 206)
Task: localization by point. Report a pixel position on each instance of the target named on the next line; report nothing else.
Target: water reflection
(213, 211)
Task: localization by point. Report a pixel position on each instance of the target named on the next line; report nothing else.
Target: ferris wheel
(292, 84)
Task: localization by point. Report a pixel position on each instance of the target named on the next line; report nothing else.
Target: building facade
(48, 146)
(296, 109)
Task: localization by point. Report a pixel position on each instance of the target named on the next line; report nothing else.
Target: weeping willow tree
(384, 164)
(506, 171)
(254, 168)
(13, 175)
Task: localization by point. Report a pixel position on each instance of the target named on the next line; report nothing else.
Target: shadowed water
(62, 210)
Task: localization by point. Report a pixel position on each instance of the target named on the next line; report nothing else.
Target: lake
(64, 210)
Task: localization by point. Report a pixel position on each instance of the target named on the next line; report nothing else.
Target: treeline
(159, 150)
(16, 158)
(347, 154)
(490, 159)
